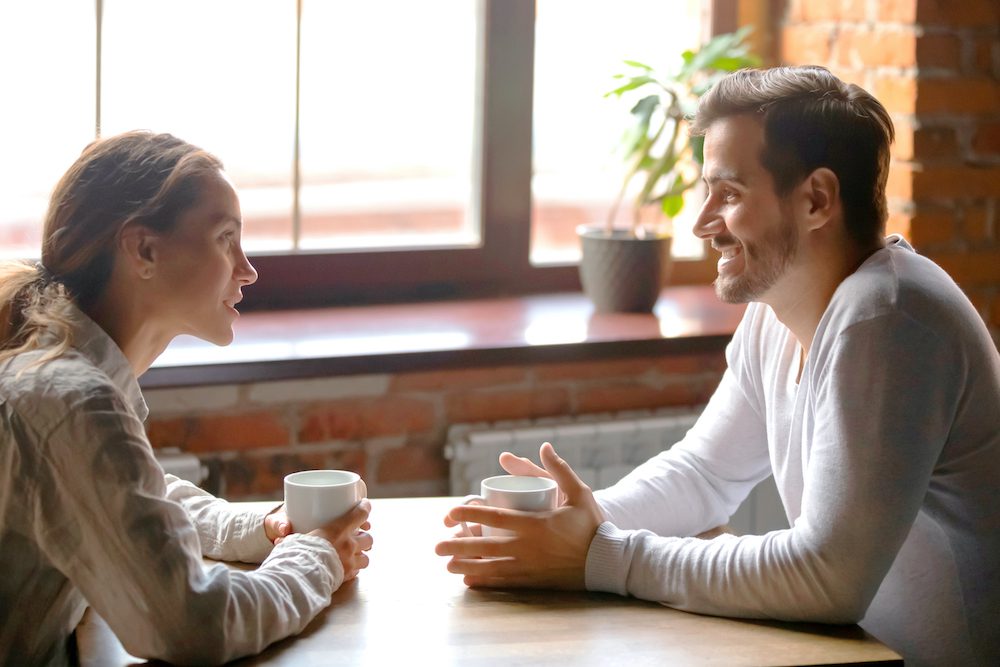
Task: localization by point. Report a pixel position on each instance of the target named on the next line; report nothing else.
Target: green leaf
(644, 108)
(633, 83)
(672, 205)
(636, 63)
(730, 63)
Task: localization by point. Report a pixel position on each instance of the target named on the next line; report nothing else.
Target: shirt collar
(897, 241)
(96, 345)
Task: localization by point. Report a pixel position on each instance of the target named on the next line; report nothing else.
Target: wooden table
(407, 609)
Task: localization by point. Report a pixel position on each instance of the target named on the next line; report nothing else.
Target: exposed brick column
(935, 64)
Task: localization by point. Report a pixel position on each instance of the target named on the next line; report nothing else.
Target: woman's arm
(225, 533)
(107, 524)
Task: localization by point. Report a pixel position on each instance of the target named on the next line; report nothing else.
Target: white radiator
(601, 449)
(185, 466)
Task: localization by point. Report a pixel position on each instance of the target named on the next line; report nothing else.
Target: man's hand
(518, 465)
(347, 535)
(548, 550)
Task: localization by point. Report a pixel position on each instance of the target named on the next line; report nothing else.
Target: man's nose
(709, 222)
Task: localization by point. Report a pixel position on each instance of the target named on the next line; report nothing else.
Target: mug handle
(470, 500)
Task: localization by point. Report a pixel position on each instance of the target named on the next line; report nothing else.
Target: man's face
(742, 216)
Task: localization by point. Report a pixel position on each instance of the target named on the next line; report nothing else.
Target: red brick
(986, 140)
(932, 227)
(986, 56)
(411, 463)
(956, 181)
(166, 432)
(806, 44)
(934, 142)
(488, 406)
(821, 10)
(971, 269)
(356, 419)
(691, 364)
(854, 10)
(899, 223)
(897, 93)
(941, 51)
(973, 13)
(897, 11)
(212, 433)
(900, 182)
(957, 95)
(589, 370)
(263, 476)
(976, 224)
(902, 147)
(863, 47)
(624, 396)
(457, 379)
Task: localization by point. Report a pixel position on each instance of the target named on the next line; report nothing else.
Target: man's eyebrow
(729, 176)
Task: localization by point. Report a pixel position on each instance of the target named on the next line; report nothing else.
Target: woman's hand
(276, 525)
(348, 536)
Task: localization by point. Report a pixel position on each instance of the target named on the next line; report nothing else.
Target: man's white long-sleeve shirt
(886, 454)
(88, 517)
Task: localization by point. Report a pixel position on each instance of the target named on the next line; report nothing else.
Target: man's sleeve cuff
(607, 569)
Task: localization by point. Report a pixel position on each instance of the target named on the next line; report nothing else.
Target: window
(382, 149)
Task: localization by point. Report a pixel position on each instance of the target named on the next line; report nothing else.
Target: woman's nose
(245, 273)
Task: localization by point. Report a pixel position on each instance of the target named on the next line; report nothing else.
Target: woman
(141, 243)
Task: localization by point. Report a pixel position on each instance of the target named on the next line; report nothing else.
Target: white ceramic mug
(314, 498)
(515, 492)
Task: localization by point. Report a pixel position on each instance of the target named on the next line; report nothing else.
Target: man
(860, 377)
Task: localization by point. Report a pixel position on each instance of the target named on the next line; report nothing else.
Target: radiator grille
(601, 448)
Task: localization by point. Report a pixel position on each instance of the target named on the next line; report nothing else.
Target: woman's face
(201, 267)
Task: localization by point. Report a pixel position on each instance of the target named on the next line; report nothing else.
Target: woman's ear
(138, 247)
(820, 201)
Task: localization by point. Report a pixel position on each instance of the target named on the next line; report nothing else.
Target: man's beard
(764, 262)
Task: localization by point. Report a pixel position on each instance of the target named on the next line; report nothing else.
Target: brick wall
(935, 64)
(392, 428)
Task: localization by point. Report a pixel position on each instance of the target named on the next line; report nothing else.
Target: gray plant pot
(622, 273)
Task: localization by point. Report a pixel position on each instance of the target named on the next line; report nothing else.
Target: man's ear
(139, 248)
(820, 198)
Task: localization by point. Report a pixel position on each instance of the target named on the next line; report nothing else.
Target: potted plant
(624, 268)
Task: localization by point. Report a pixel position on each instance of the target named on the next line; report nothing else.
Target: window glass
(47, 116)
(387, 111)
(578, 169)
(220, 74)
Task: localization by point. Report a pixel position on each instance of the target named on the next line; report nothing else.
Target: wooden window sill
(348, 340)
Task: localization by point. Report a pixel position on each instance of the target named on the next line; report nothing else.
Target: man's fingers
(496, 517)
(518, 465)
(480, 547)
(568, 481)
(485, 567)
